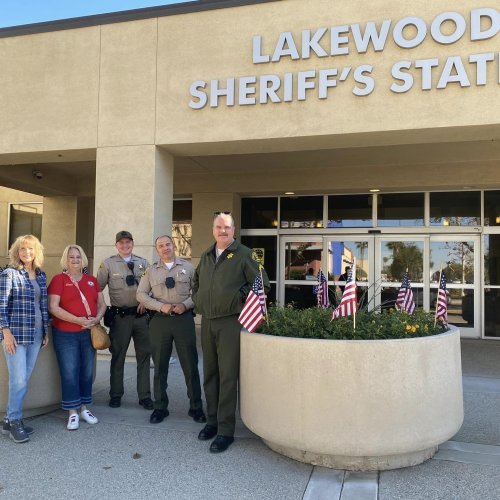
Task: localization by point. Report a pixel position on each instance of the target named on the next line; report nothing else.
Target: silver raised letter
(258, 58)
(402, 24)
(198, 94)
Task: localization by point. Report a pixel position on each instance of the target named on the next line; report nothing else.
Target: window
(182, 227)
(455, 208)
(400, 209)
(25, 218)
(492, 208)
(302, 212)
(350, 211)
(259, 213)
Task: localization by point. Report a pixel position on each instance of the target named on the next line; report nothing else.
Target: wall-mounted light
(497, 219)
(375, 190)
(289, 192)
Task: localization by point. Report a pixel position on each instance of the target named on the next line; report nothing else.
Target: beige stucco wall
(110, 85)
(127, 83)
(218, 45)
(49, 91)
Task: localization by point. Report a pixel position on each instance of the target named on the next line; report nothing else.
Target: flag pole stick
(266, 316)
(355, 291)
(437, 295)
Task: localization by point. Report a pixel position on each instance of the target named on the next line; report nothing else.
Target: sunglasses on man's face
(222, 213)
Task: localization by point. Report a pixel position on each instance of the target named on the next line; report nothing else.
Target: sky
(17, 12)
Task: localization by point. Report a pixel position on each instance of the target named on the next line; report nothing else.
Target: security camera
(37, 174)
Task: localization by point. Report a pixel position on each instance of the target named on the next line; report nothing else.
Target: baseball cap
(123, 234)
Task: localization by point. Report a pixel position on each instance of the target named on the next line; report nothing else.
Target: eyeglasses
(170, 282)
(222, 213)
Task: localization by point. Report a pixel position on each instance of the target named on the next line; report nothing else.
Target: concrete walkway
(126, 457)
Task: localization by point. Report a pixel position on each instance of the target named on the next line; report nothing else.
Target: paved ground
(126, 457)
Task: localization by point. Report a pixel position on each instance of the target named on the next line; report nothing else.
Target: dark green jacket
(220, 288)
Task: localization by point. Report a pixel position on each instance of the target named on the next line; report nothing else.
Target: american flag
(405, 300)
(349, 302)
(321, 291)
(442, 301)
(254, 310)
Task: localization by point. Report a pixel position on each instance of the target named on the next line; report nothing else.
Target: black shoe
(197, 415)
(6, 427)
(157, 416)
(115, 402)
(208, 432)
(221, 443)
(146, 403)
(17, 432)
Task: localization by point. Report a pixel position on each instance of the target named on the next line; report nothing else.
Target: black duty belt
(126, 311)
(153, 313)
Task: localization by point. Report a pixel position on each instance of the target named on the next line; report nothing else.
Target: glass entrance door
(459, 258)
(381, 261)
(394, 257)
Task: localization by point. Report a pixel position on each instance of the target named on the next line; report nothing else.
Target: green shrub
(316, 323)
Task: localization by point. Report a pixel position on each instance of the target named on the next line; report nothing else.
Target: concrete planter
(44, 390)
(352, 404)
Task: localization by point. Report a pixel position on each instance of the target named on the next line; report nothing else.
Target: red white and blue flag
(321, 291)
(349, 302)
(442, 301)
(254, 311)
(406, 301)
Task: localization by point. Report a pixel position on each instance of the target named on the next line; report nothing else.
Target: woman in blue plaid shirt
(24, 321)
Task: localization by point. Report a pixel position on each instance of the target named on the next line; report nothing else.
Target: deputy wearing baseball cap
(127, 318)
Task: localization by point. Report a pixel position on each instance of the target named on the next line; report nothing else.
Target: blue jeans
(20, 366)
(75, 356)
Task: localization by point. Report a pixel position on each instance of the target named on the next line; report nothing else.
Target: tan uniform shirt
(154, 281)
(113, 272)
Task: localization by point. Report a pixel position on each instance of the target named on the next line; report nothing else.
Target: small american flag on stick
(442, 301)
(254, 310)
(349, 302)
(321, 291)
(405, 300)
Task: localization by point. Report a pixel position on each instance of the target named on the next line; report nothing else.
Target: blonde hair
(64, 257)
(15, 260)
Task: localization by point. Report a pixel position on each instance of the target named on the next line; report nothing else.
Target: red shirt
(71, 300)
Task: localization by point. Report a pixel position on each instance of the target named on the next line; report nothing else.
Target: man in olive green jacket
(221, 284)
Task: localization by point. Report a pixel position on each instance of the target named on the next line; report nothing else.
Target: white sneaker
(73, 422)
(88, 417)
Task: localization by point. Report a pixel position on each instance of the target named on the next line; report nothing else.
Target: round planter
(44, 390)
(352, 404)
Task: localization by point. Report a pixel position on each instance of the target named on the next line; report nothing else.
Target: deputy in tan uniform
(165, 289)
(127, 319)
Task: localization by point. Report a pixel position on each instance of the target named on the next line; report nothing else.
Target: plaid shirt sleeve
(5, 290)
(17, 304)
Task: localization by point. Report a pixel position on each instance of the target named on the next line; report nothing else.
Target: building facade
(331, 130)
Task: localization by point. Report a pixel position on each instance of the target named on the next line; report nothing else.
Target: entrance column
(134, 191)
(58, 230)
(204, 206)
